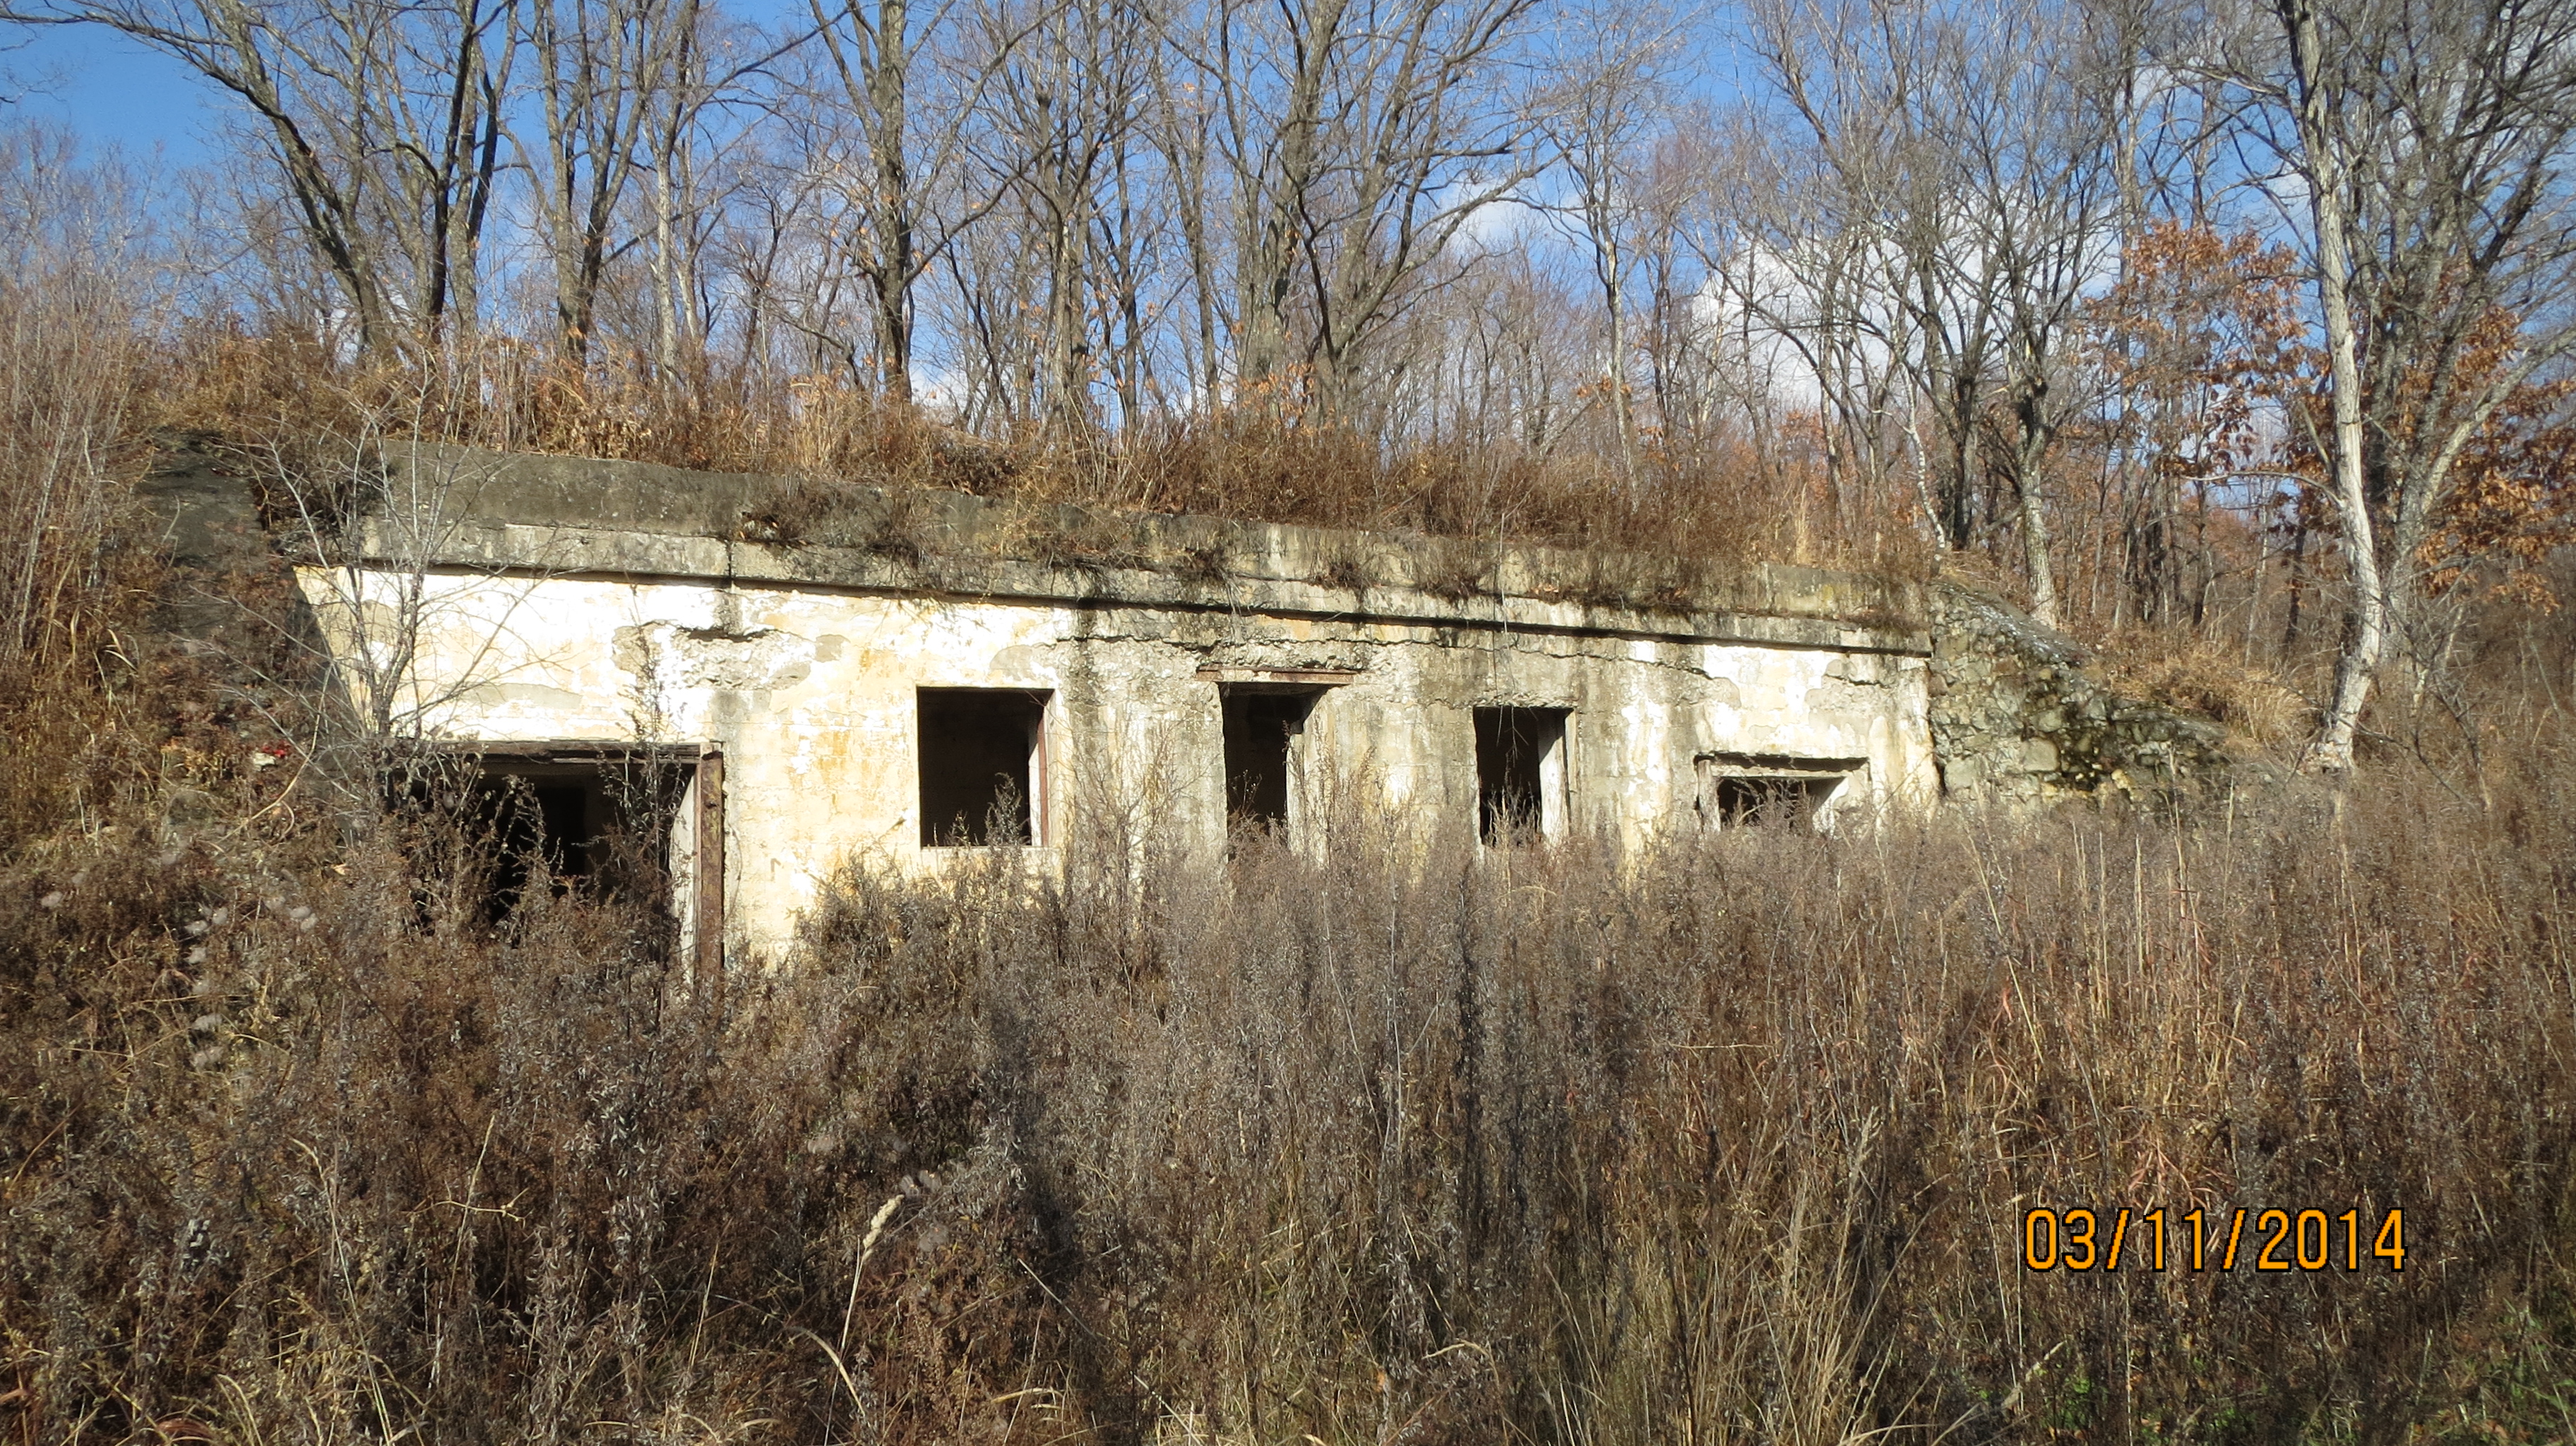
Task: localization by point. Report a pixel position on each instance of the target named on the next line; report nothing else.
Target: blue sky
(110, 90)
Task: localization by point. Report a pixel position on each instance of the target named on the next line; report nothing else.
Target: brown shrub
(2211, 678)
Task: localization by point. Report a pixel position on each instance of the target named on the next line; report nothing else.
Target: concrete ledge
(454, 508)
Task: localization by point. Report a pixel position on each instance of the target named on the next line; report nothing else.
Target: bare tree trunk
(607, 72)
(1274, 180)
(2365, 621)
(2030, 465)
(892, 269)
(916, 140)
(1180, 135)
(1623, 411)
(1967, 460)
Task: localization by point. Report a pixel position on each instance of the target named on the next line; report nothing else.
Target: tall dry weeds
(1399, 1143)
(76, 271)
(1737, 1146)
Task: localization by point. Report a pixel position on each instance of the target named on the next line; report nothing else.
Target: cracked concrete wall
(811, 695)
(545, 599)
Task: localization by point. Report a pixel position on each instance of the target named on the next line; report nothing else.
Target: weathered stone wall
(2016, 720)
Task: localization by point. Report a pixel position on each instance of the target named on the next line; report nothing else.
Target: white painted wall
(809, 692)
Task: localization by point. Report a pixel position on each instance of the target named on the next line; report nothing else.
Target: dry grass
(264, 391)
(1737, 1148)
(2208, 678)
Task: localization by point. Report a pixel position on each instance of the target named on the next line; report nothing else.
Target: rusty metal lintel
(574, 750)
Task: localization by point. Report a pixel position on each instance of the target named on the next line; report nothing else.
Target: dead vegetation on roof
(271, 395)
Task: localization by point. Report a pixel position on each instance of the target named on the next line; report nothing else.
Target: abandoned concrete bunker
(906, 675)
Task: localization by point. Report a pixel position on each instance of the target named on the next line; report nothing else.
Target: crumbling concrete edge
(2017, 721)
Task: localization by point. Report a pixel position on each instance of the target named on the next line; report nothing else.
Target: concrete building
(812, 675)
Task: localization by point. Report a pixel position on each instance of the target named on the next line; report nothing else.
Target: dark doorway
(982, 766)
(1261, 729)
(1520, 775)
(599, 826)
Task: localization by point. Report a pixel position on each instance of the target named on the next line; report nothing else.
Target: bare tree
(383, 119)
(606, 77)
(2035, 133)
(1791, 233)
(1180, 124)
(1360, 136)
(1616, 95)
(911, 144)
(1976, 157)
(2431, 141)
(1067, 105)
(1852, 246)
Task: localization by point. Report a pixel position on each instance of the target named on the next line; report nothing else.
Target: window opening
(1520, 773)
(1262, 727)
(1749, 802)
(982, 766)
(1754, 790)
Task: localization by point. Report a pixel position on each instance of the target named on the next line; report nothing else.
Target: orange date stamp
(2085, 1239)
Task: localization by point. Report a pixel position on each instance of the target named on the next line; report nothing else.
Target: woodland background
(2245, 320)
